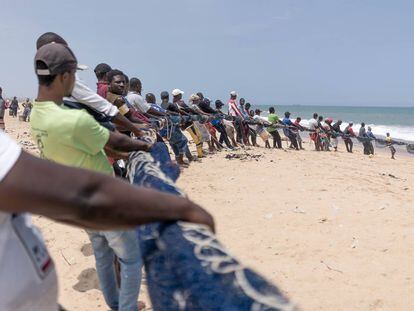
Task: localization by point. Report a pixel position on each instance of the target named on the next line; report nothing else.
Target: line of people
(88, 131)
(75, 126)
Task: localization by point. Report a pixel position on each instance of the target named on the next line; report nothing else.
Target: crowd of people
(14, 107)
(97, 130)
(81, 135)
(217, 126)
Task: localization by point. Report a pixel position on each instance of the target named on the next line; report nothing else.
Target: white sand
(332, 230)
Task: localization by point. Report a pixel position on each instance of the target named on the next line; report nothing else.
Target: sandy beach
(333, 230)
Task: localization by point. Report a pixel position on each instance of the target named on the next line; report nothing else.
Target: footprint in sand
(87, 280)
(87, 249)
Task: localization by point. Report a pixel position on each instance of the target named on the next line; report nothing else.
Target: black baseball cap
(219, 103)
(102, 68)
(164, 95)
(57, 57)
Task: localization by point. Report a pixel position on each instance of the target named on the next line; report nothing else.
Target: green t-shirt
(273, 119)
(69, 136)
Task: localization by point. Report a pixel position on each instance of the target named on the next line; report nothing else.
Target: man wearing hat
(237, 117)
(227, 125)
(83, 97)
(188, 126)
(72, 137)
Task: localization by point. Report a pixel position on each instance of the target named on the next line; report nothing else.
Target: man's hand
(138, 129)
(198, 215)
(116, 155)
(124, 143)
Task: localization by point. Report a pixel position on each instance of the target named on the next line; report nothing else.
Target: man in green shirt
(74, 138)
(272, 129)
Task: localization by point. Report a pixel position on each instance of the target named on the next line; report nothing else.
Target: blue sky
(337, 52)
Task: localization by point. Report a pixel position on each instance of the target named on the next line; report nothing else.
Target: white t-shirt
(27, 273)
(313, 124)
(84, 95)
(138, 102)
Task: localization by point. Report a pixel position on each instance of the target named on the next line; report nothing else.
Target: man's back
(138, 102)
(69, 136)
(313, 124)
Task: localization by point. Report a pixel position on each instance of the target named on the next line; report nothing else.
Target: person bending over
(264, 135)
(287, 130)
(348, 135)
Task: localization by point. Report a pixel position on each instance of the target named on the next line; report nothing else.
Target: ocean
(398, 121)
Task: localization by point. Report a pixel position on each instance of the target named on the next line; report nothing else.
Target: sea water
(398, 121)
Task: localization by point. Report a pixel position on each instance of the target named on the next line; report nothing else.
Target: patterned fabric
(186, 266)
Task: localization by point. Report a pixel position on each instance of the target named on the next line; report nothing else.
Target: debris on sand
(243, 156)
(389, 175)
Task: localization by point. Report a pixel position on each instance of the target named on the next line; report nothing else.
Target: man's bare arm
(122, 142)
(89, 199)
(125, 123)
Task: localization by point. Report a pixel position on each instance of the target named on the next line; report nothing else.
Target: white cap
(176, 92)
(233, 93)
(82, 67)
(193, 97)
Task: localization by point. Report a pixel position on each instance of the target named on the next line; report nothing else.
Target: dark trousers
(253, 136)
(348, 144)
(223, 135)
(371, 148)
(292, 137)
(367, 147)
(239, 131)
(277, 141)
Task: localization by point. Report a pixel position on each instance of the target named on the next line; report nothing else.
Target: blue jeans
(123, 244)
(178, 142)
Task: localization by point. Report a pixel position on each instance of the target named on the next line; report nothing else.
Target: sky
(287, 52)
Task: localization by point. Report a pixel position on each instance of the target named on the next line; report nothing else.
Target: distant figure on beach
(2, 109)
(27, 105)
(363, 137)
(348, 134)
(390, 143)
(372, 137)
(14, 106)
